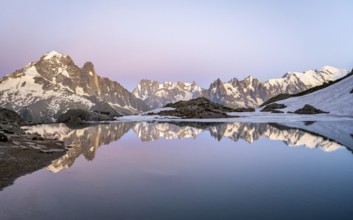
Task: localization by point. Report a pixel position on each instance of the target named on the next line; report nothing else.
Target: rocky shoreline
(22, 153)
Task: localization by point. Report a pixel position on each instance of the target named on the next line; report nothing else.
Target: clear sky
(180, 40)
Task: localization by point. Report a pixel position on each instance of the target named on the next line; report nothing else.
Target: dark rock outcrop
(202, 102)
(244, 110)
(276, 111)
(308, 109)
(196, 108)
(276, 98)
(79, 116)
(307, 123)
(351, 91)
(9, 116)
(3, 138)
(272, 107)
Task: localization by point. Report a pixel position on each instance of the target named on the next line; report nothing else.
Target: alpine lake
(188, 170)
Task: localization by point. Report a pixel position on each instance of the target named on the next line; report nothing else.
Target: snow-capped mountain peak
(315, 77)
(43, 90)
(249, 92)
(52, 54)
(53, 84)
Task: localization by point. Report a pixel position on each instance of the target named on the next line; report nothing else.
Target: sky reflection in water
(170, 171)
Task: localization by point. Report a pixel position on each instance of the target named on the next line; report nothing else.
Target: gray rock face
(43, 90)
(235, 93)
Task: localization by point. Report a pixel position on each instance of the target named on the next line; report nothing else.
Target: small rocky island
(195, 108)
(309, 110)
(83, 116)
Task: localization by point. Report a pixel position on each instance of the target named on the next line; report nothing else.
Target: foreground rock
(22, 153)
(80, 116)
(3, 138)
(308, 109)
(273, 108)
(9, 116)
(196, 108)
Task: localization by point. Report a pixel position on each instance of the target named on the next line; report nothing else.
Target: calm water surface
(186, 171)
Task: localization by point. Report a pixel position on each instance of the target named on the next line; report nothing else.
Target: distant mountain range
(156, 94)
(235, 93)
(45, 89)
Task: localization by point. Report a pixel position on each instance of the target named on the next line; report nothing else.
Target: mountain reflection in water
(86, 140)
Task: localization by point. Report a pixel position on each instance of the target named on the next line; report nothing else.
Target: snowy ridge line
(335, 99)
(249, 92)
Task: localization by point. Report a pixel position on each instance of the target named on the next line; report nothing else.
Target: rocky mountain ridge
(249, 92)
(157, 94)
(43, 90)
